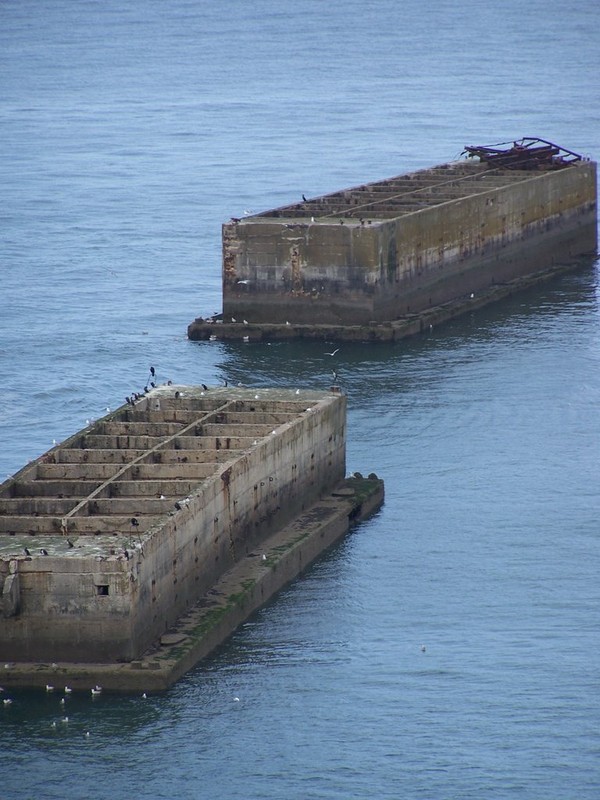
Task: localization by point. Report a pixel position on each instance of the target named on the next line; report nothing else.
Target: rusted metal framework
(528, 153)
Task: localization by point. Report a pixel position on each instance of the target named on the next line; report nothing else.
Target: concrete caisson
(110, 536)
(377, 252)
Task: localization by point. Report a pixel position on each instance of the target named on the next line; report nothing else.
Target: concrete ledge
(233, 598)
(394, 330)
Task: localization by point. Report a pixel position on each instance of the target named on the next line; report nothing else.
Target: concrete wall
(375, 270)
(62, 617)
(229, 515)
(441, 253)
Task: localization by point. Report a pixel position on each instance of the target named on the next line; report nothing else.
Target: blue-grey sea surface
(128, 133)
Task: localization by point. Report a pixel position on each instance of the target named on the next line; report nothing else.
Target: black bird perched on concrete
(44, 552)
(26, 551)
(70, 543)
(304, 198)
(204, 386)
(135, 522)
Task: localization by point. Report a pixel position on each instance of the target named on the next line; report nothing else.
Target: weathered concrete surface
(378, 252)
(401, 328)
(108, 538)
(236, 594)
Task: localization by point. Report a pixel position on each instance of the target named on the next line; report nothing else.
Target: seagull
(312, 219)
(233, 319)
(144, 696)
(49, 688)
(65, 720)
(332, 354)
(246, 339)
(245, 281)
(423, 648)
(68, 690)
(7, 701)
(96, 691)
(287, 323)
(263, 557)
(246, 322)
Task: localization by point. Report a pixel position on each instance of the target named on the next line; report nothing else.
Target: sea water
(448, 647)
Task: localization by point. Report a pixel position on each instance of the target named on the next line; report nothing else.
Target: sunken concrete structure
(378, 254)
(109, 537)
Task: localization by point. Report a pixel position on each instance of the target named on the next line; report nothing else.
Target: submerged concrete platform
(233, 597)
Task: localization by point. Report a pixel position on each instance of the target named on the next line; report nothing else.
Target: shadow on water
(367, 370)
